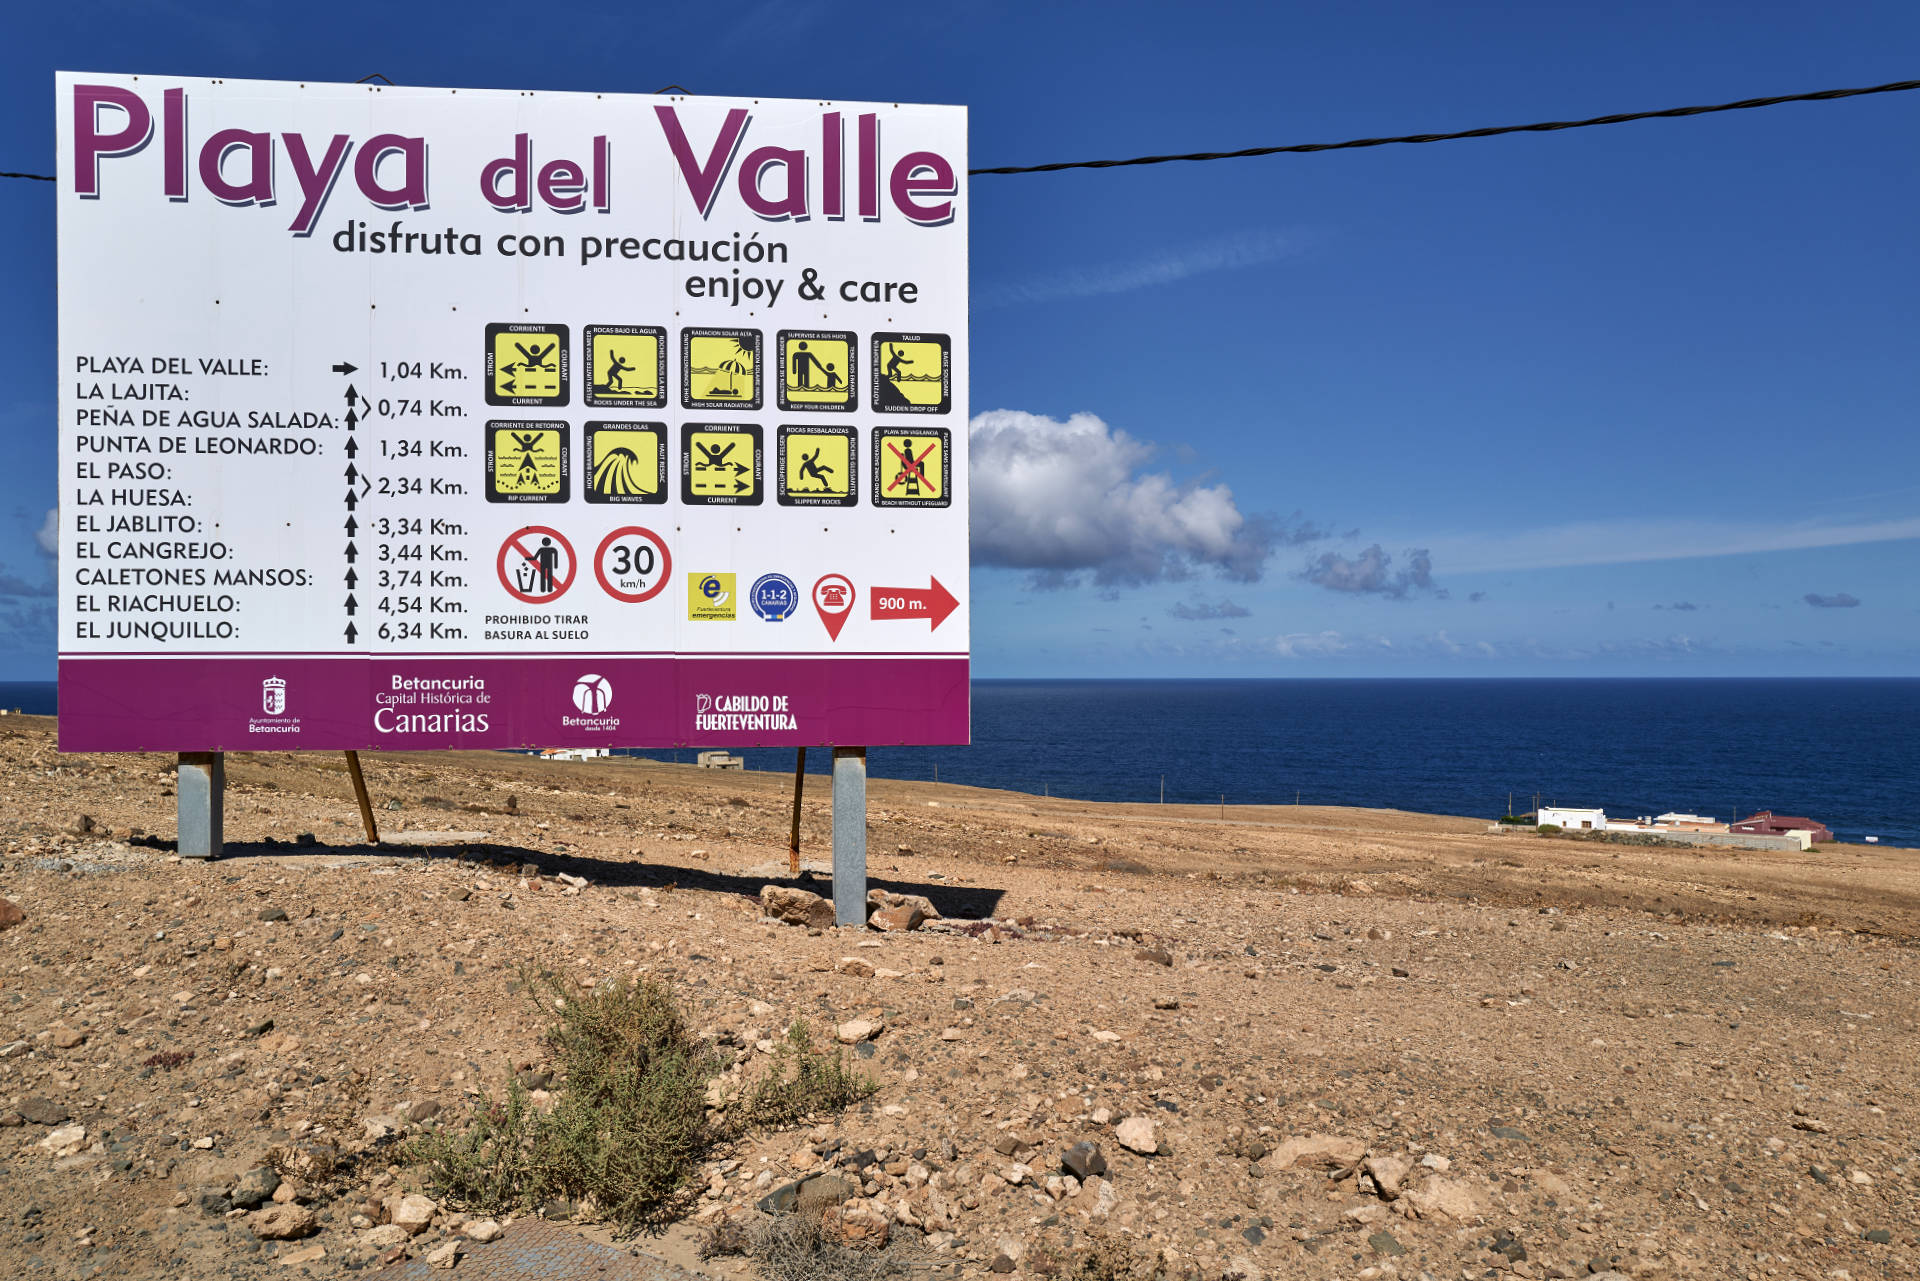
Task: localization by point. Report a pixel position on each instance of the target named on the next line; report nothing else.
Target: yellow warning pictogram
(817, 467)
(626, 462)
(720, 464)
(817, 370)
(527, 364)
(526, 462)
(627, 364)
(911, 374)
(910, 468)
(720, 368)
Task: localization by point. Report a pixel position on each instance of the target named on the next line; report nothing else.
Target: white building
(1572, 820)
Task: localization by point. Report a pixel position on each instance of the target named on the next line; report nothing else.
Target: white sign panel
(396, 417)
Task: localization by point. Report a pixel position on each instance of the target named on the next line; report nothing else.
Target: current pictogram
(626, 462)
(527, 462)
(526, 364)
(720, 465)
(633, 564)
(817, 370)
(720, 368)
(626, 366)
(912, 374)
(818, 467)
(536, 565)
(910, 468)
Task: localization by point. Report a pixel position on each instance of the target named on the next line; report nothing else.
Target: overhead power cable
(1544, 126)
(1491, 131)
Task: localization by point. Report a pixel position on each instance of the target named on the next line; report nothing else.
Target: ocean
(1845, 752)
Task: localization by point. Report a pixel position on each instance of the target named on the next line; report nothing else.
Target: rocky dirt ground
(1306, 1042)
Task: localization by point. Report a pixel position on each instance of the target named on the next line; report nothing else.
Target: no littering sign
(536, 565)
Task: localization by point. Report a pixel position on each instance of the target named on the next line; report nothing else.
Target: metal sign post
(850, 835)
(200, 792)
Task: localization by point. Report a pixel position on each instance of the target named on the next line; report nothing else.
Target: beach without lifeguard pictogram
(536, 564)
(910, 468)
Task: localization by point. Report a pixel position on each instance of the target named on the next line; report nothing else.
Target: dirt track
(1624, 1057)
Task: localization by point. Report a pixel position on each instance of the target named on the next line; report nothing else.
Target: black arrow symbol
(742, 486)
(351, 420)
(352, 551)
(351, 474)
(507, 386)
(352, 498)
(351, 633)
(350, 604)
(353, 527)
(352, 578)
(739, 469)
(352, 449)
(343, 368)
(353, 397)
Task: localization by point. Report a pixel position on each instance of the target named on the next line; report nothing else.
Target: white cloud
(1063, 498)
(1626, 542)
(47, 537)
(1224, 253)
(1371, 573)
(1310, 644)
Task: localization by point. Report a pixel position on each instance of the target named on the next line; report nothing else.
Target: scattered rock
(855, 967)
(444, 1256)
(422, 1110)
(1387, 1173)
(796, 907)
(1385, 1243)
(38, 1111)
(304, 1255)
(860, 1225)
(1083, 1161)
(1453, 1198)
(483, 1230)
(253, 1187)
(1136, 1135)
(281, 1221)
(66, 1038)
(854, 1031)
(10, 914)
(1155, 955)
(410, 1211)
(272, 914)
(897, 920)
(1317, 1151)
(386, 1236)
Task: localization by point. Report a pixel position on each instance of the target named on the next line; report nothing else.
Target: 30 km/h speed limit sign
(633, 564)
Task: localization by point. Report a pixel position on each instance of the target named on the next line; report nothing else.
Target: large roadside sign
(354, 378)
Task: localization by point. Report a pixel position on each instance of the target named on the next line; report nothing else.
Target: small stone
(386, 1236)
(1879, 1236)
(306, 1254)
(272, 914)
(796, 907)
(1387, 1244)
(1155, 955)
(212, 1200)
(282, 1221)
(261, 1028)
(423, 1110)
(10, 914)
(253, 1187)
(444, 1256)
(483, 1230)
(897, 920)
(854, 1031)
(1083, 1161)
(1001, 1264)
(860, 1225)
(1136, 1135)
(66, 1038)
(1388, 1172)
(38, 1111)
(410, 1212)
(854, 967)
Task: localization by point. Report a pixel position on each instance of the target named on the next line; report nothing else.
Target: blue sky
(1637, 400)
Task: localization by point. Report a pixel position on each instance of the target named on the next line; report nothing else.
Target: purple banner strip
(330, 704)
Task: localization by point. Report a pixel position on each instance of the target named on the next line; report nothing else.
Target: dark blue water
(1846, 752)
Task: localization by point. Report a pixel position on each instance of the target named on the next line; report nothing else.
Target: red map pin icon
(833, 600)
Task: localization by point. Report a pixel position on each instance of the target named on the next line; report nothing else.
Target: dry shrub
(629, 1123)
(802, 1083)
